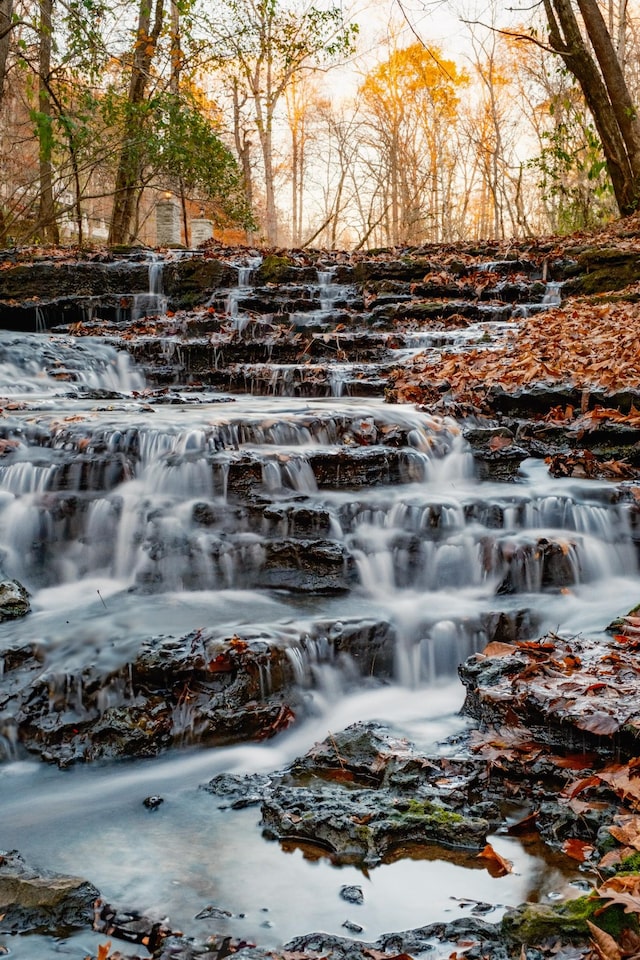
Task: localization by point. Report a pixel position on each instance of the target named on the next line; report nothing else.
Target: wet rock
(500, 464)
(533, 923)
(213, 912)
(352, 927)
(601, 712)
(361, 826)
(407, 269)
(307, 566)
(203, 687)
(52, 280)
(239, 790)
(33, 901)
(363, 750)
(352, 894)
(192, 280)
(603, 269)
(487, 939)
(14, 600)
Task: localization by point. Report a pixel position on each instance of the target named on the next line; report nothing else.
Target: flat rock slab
(362, 826)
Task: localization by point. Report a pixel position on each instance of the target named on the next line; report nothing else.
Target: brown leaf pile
(583, 344)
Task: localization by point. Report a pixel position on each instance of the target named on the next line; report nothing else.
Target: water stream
(101, 506)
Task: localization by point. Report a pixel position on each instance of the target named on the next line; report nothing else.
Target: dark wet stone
(152, 803)
(361, 826)
(237, 688)
(307, 566)
(33, 901)
(213, 912)
(364, 750)
(488, 937)
(516, 689)
(351, 927)
(14, 600)
(239, 790)
(352, 894)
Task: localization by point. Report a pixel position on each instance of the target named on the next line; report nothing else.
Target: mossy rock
(616, 625)
(274, 269)
(192, 281)
(534, 922)
(603, 270)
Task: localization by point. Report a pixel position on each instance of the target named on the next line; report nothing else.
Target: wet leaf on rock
(623, 890)
(577, 849)
(627, 832)
(623, 782)
(602, 724)
(498, 649)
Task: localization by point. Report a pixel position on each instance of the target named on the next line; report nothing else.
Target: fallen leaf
(603, 943)
(497, 649)
(577, 786)
(628, 832)
(500, 864)
(577, 849)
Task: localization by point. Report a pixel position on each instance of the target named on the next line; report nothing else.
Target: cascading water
(291, 523)
(154, 300)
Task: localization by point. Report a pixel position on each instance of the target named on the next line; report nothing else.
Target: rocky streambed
(250, 569)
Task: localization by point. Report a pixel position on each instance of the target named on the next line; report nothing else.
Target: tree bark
(47, 224)
(6, 14)
(604, 90)
(128, 174)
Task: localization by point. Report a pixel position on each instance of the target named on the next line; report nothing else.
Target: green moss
(425, 809)
(616, 625)
(608, 269)
(607, 843)
(273, 267)
(534, 922)
(630, 864)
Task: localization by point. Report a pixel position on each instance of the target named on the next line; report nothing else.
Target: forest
(295, 124)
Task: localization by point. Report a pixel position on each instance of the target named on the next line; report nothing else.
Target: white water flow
(127, 523)
(153, 302)
(246, 271)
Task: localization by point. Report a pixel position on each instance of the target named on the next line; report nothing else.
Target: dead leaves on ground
(583, 344)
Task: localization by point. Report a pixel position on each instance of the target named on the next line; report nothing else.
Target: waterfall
(154, 300)
(200, 562)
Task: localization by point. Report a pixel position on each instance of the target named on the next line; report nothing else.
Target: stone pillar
(201, 230)
(168, 222)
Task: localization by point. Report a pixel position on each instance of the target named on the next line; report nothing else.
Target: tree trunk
(243, 146)
(129, 164)
(6, 13)
(46, 208)
(270, 193)
(604, 90)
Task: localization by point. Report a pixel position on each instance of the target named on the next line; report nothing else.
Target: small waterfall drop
(153, 302)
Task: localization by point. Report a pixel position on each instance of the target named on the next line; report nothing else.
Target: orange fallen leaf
(497, 649)
(577, 849)
(500, 864)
